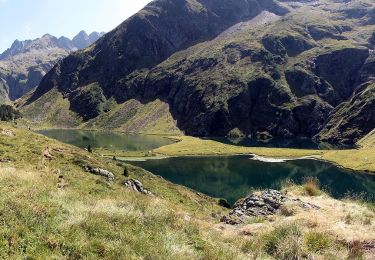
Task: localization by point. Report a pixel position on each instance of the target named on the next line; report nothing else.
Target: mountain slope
(25, 63)
(148, 38)
(352, 119)
(284, 73)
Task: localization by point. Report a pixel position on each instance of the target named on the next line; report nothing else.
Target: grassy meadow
(52, 208)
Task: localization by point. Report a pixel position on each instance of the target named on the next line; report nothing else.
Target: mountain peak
(47, 35)
(82, 39)
(82, 33)
(36, 57)
(94, 36)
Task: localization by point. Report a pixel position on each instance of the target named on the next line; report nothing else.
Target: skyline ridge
(30, 20)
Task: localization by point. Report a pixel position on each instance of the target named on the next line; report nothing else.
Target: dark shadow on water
(298, 143)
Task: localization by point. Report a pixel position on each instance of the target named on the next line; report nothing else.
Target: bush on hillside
(8, 113)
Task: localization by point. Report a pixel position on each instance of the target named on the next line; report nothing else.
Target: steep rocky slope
(288, 68)
(24, 64)
(352, 119)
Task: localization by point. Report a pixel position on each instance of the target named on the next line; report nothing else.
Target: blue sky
(29, 19)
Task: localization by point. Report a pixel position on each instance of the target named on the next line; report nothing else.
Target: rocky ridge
(24, 64)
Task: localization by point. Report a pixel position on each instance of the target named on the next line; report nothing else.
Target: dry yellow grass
(332, 217)
(335, 223)
(311, 187)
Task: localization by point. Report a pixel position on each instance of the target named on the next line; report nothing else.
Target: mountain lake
(228, 177)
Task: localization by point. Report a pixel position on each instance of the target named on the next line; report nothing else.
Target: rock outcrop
(267, 203)
(353, 119)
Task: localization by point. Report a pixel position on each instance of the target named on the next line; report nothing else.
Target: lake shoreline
(266, 160)
(358, 160)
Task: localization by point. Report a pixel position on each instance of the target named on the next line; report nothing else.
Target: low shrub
(348, 219)
(367, 221)
(291, 247)
(8, 113)
(311, 187)
(126, 172)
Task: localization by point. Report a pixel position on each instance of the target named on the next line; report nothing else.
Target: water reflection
(111, 140)
(234, 177)
(298, 143)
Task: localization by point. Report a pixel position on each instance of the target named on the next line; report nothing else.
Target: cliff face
(353, 119)
(149, 37)
(282, 67)
(25, 63)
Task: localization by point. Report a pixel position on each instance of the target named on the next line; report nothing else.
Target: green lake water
(234, 177)
(231, 177)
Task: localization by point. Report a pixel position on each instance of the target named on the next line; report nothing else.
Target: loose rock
(47, 154)
(101, 172)
(7, 132)
(61, 182)
(136, 186)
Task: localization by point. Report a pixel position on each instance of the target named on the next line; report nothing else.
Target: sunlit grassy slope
(54, 209)
(368, 141)
(135, 117)
(90, 217)
(52, 110)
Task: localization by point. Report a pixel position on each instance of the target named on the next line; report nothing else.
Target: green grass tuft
(317, 242)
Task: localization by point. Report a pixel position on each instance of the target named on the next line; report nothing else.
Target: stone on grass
(136, 186)
(101, 172)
